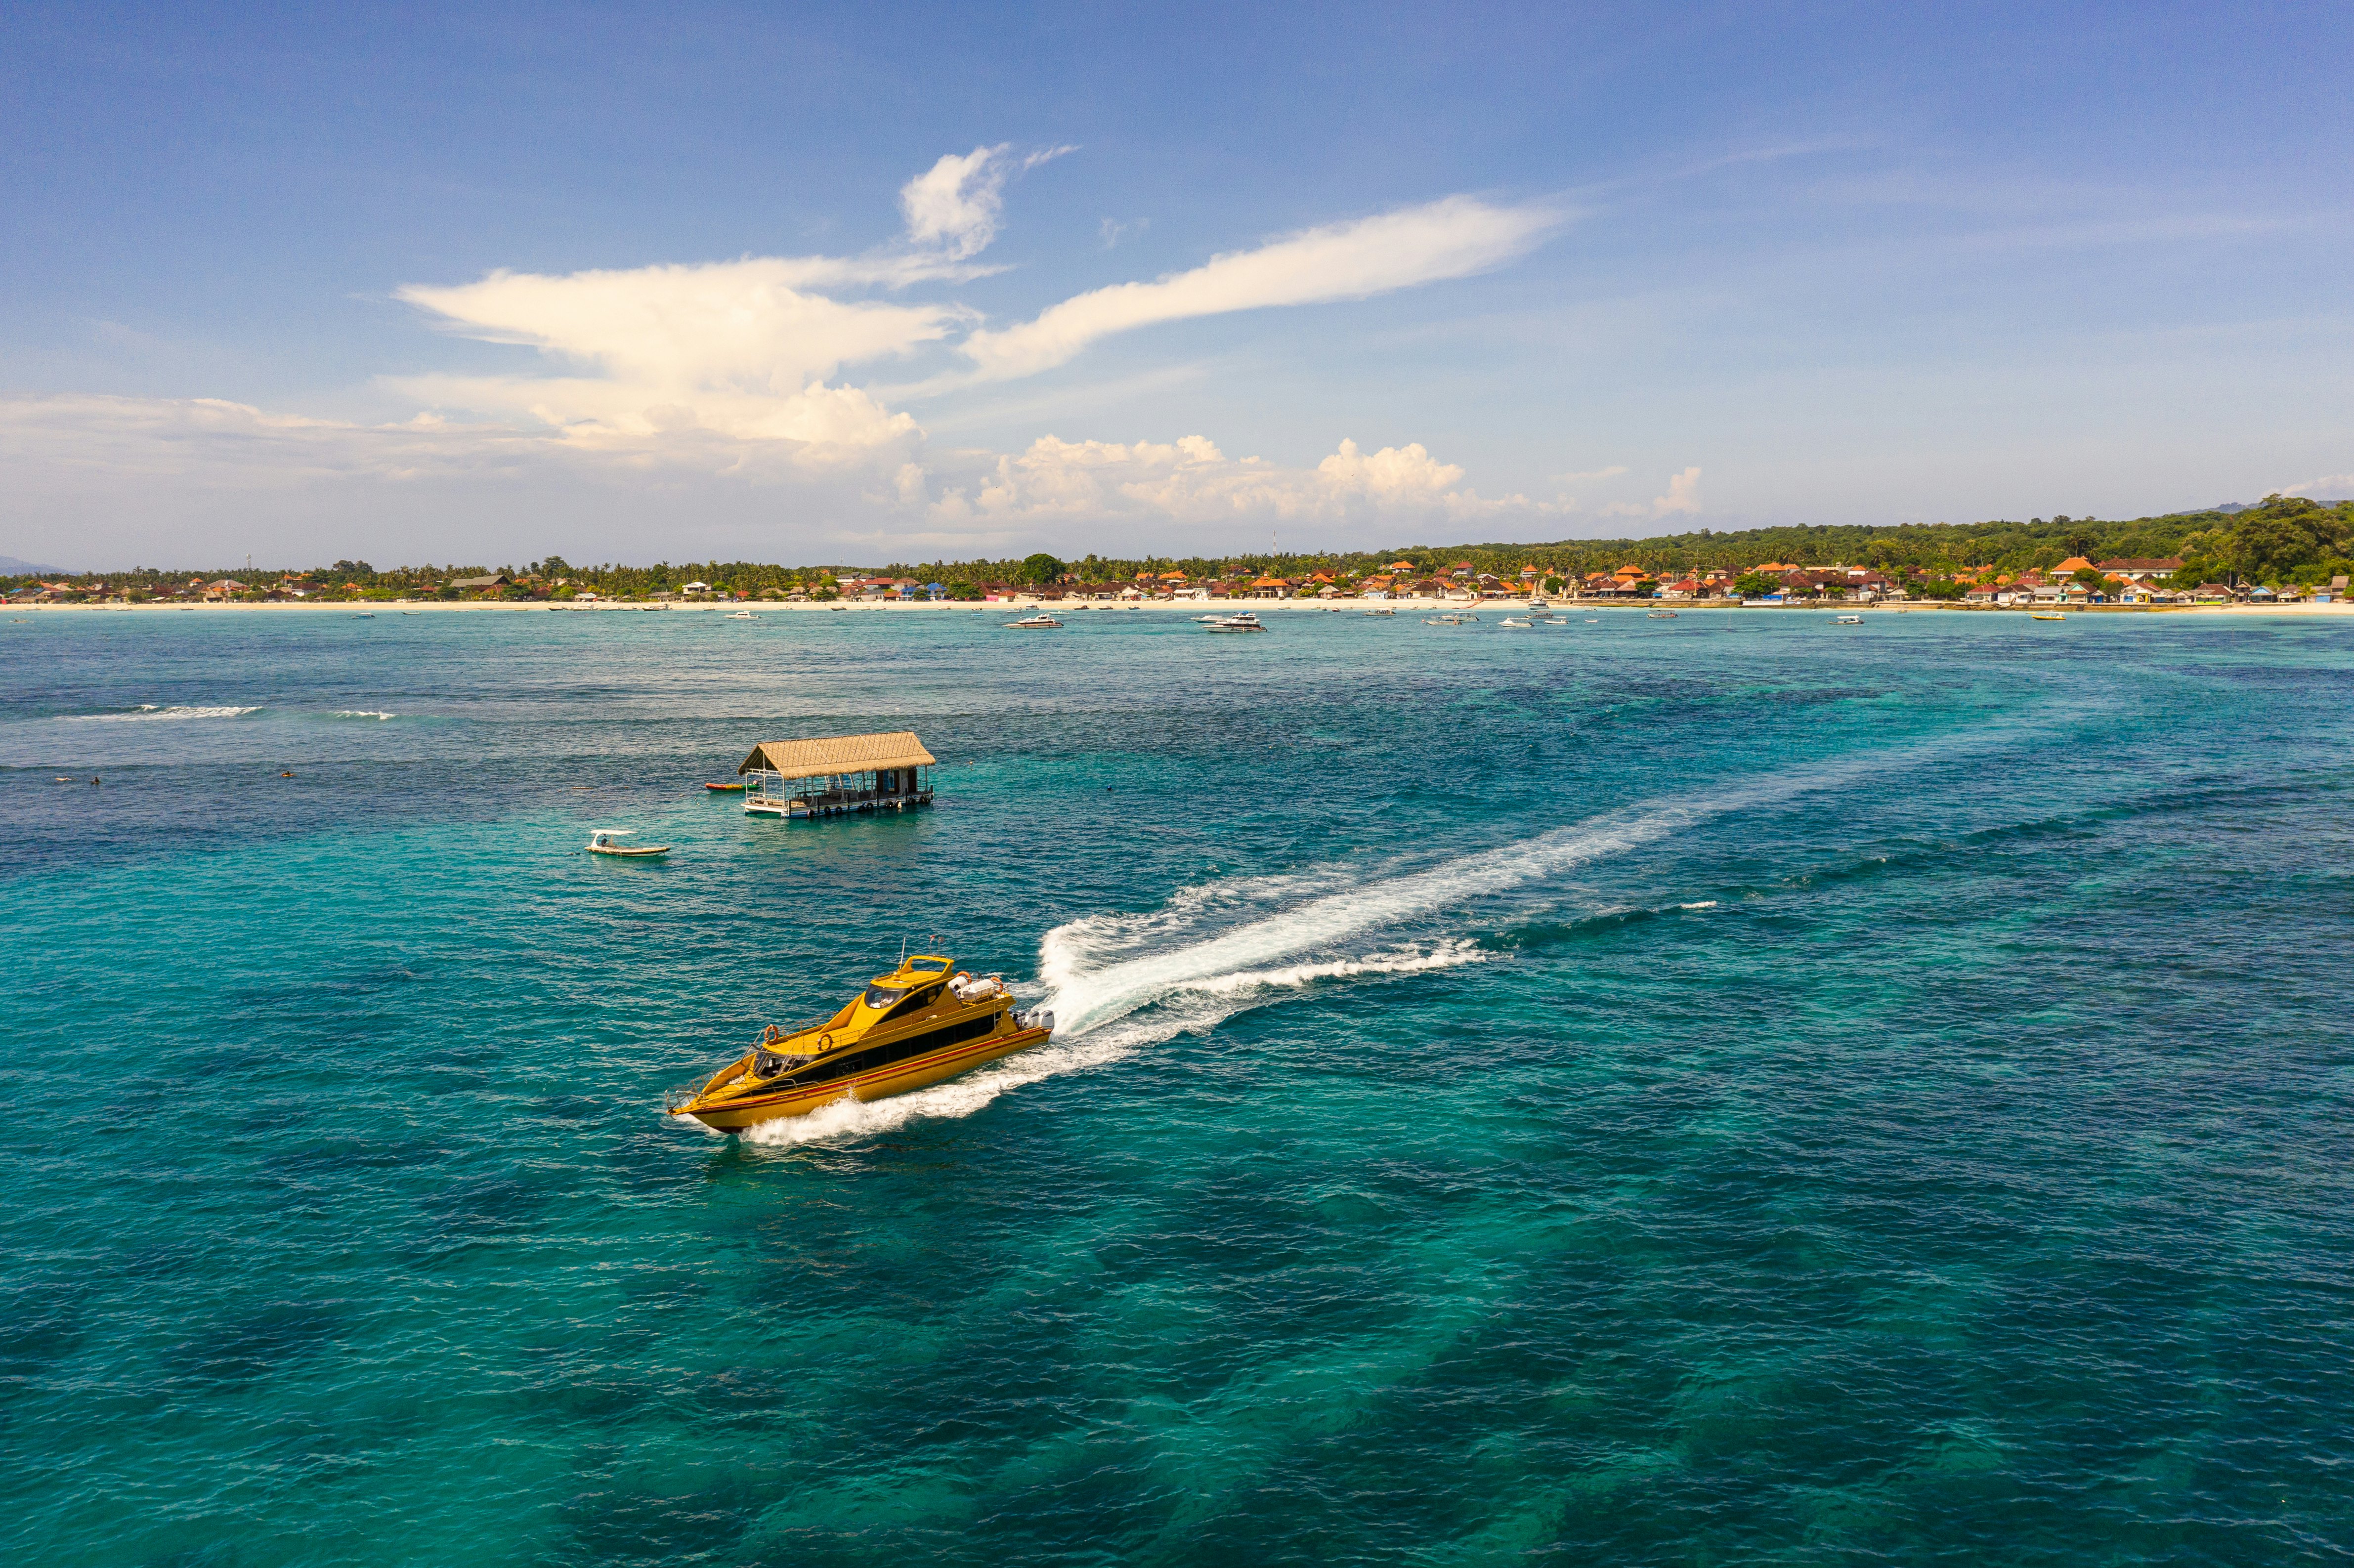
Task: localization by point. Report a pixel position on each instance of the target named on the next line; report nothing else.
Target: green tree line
(2284, 539)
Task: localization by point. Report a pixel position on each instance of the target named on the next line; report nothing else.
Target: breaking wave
(363, 713)
(176, 710)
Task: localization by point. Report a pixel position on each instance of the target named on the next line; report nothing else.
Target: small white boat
(601, 841)
(1384, 609)
(743, 615)
(1208, 620)
(1447, 620)
(1848, 620)
(1041, 621)
(1663, 615)
(1517, 625)
(1245, 622)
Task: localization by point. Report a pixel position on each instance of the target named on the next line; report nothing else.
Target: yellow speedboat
(924, 1021)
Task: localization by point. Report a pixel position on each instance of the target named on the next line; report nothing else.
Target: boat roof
(917, 966)
(838, 754)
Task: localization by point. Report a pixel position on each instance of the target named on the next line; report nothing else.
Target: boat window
(882, 995)
(918, 1003)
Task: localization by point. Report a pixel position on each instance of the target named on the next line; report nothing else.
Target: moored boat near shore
(923, 1022)
(605, 840)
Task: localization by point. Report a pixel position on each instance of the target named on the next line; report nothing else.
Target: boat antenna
(903, 952)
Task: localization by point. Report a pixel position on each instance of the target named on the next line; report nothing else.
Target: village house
(2138, 569)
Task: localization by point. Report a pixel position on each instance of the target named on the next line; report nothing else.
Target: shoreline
(1195, 607)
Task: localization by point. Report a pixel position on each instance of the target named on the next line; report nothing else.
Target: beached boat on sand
(925, 1022)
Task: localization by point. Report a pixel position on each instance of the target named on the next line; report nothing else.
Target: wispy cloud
(1450, 238)
(748, 384)
(752, 348)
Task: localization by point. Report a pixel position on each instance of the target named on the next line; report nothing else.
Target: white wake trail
(1194, 985)
(1085, 996)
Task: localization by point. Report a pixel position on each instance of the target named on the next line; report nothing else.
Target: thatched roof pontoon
(837, 754)
(853, 773)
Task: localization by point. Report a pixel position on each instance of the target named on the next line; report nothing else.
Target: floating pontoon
(837, 774)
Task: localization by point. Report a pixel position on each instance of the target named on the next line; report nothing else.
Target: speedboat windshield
(880, 996)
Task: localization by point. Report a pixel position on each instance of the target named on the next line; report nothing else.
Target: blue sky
(858, 283)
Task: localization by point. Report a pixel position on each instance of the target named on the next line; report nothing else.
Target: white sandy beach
(1189, 607)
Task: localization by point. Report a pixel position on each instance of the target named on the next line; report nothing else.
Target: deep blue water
(1734, 1090)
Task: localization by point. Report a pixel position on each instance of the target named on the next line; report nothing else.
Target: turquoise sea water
(1735, 1089)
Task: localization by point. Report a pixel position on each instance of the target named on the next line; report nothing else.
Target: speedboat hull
(881, 1083)
(923, 1022)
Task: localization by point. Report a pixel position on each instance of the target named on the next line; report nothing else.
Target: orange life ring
(825, 1042)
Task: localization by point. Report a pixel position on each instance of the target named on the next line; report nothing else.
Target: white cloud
(1684, 496)
(1450, 238)
(742, 348)
(752, 348)
(734, 399)
(954, 205)
(2332, 485)
(1190, 480)
(1390, 475)
(1683, 493)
